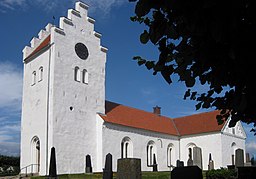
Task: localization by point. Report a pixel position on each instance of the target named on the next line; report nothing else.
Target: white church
(64, 106)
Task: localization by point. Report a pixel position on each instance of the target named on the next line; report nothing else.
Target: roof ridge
(197, 114)
(174, 124)
(140, 110)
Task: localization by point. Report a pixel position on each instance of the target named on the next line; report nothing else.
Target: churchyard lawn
(145, 175)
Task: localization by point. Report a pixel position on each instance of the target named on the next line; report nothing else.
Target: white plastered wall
(114, 134)
(232, 139)
(34, 107)
(209, 143)
(75, 104)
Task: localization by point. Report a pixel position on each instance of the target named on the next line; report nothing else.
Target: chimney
(157, 110)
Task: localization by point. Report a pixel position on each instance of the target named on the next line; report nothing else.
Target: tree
(209, 41)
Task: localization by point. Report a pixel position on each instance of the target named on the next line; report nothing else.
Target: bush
(221, 174)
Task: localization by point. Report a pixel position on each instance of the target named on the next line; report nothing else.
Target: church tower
(63, 91)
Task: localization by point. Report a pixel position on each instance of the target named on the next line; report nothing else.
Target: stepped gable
(37, 43)
(198, 123)
(131, 117)
(45, 36)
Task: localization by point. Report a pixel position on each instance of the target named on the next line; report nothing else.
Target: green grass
(145, 175)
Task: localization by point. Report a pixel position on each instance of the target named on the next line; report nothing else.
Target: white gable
(237, 131)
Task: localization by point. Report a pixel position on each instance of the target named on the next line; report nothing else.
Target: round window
(81, 51)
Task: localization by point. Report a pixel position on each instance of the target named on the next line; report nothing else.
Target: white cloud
(11, 128)
(104, 6)
(10, 148)
(251, 147)
(11, 86)
(10, 4)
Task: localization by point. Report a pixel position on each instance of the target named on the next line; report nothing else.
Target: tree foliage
(209, 41)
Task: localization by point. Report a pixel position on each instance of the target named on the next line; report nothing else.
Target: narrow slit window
(85, 76)
(33, 78)
(77, 74)
(41, 70)
(169, 157)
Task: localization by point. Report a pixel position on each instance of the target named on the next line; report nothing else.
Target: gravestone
(233, 159)
(107, 171)
(179, 163)
(129, 168)
(247, 160)
(189, 172)
(53, 169)
(88, 164)
(154, 163)
(211, 163)
(197, 157)
(190, 162)
(239, 158)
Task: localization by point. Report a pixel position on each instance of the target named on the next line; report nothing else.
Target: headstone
(129, 168)
(179, 163)
(211, 163)
(247, 160)
(107, 171)
(190, 162)
(189, 172)
(247, 157)
(154, 163)
(239, 158)
(197, 157)
(88, 164)
(53, 169)
(246, 172)
(233, 159)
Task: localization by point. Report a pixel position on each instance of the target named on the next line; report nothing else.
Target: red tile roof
(131, 117)
(198, 123)
(43, 44)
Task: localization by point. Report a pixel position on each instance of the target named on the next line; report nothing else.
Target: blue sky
(126, 82)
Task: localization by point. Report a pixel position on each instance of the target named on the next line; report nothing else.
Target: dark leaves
(196, 43)
(144, 37)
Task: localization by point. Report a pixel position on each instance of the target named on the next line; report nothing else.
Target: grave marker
(239, 157)
(129, 168)
(197, 157)
(88, 164)
(107, 171)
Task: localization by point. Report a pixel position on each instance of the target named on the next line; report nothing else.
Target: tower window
(77, 74)
(41, 73)
(85, 76)
(33, 78)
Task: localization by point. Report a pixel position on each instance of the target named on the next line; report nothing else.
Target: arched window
(234, 147)
(77, 74)
(85, 76)
(35, 149)
(41, 70)
(33, 78)
(170, 152)
(126, 148)
(151, 151)
(190, 147)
